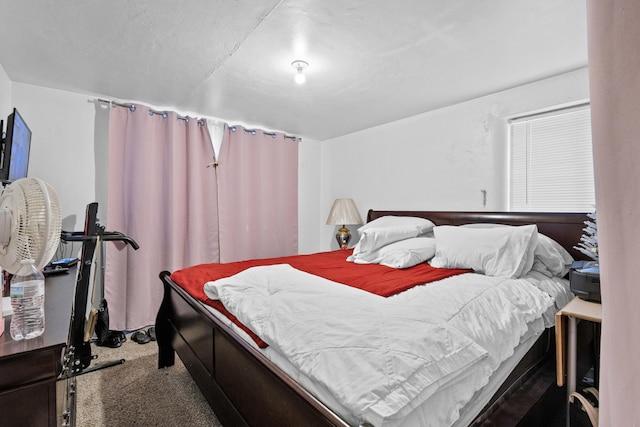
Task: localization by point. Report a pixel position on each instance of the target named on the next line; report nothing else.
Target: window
(551, 161)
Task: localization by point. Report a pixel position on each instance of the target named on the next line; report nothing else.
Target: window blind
(551, 162)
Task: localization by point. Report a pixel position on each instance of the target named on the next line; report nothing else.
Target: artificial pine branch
(589, 241)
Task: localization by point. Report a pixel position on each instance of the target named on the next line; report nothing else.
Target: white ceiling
(371, 61)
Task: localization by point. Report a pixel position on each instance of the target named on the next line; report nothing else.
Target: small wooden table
(566, 345)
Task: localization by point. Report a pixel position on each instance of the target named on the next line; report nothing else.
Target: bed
(247, 384)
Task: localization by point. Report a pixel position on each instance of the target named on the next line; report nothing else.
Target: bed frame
(244, 388)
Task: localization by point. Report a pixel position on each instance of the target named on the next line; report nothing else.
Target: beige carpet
(137, 393)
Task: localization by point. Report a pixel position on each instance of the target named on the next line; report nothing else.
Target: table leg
(571, 362)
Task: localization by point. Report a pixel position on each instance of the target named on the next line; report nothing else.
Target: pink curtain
(162, 193)
(614, 61)
(258, 194)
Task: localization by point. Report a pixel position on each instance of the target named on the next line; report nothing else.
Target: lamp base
(343, 237)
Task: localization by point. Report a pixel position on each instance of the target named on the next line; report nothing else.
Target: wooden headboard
(564, 228)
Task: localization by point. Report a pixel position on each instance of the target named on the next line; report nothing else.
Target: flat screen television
(15, 148)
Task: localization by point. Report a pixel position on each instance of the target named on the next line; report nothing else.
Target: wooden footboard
(241, 385)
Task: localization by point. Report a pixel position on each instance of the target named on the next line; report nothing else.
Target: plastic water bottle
(27, 301)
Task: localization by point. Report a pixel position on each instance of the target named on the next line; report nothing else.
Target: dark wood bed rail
(242, 386)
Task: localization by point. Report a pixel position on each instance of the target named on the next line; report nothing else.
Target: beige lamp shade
(344, 212)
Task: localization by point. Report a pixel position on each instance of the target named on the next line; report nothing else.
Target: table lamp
(343, 212)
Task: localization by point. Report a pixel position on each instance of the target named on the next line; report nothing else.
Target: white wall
(62, 145)
(5, 94)
(440, 160)
(309, 201)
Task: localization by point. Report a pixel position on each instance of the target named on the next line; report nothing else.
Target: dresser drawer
(28, 368)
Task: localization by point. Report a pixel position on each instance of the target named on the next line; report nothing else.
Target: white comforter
(382, 357)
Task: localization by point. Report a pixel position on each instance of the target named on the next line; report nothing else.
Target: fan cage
(36, 223)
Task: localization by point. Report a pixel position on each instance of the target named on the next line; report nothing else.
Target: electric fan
(30, 223)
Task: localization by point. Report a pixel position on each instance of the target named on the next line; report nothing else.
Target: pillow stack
(490, 249)
(393, 241)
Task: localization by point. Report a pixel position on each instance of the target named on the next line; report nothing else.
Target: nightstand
(566, 339)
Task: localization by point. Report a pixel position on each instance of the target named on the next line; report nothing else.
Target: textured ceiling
(371, 62)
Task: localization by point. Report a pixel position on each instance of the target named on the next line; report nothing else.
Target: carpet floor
(137, 393)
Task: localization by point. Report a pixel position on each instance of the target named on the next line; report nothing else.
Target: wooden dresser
(29, 368)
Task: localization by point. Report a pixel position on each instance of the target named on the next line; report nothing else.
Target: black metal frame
(78, 355)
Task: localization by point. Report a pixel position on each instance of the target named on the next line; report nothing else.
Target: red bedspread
(374, 278)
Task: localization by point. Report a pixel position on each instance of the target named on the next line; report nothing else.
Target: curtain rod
(113, 103)
(271, 134)
(132, 107)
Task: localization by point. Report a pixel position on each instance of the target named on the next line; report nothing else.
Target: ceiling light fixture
(300, 66)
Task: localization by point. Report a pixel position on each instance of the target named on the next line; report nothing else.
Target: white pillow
(550, 258)
(501, 251)
(386, 230)
(403, 254)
